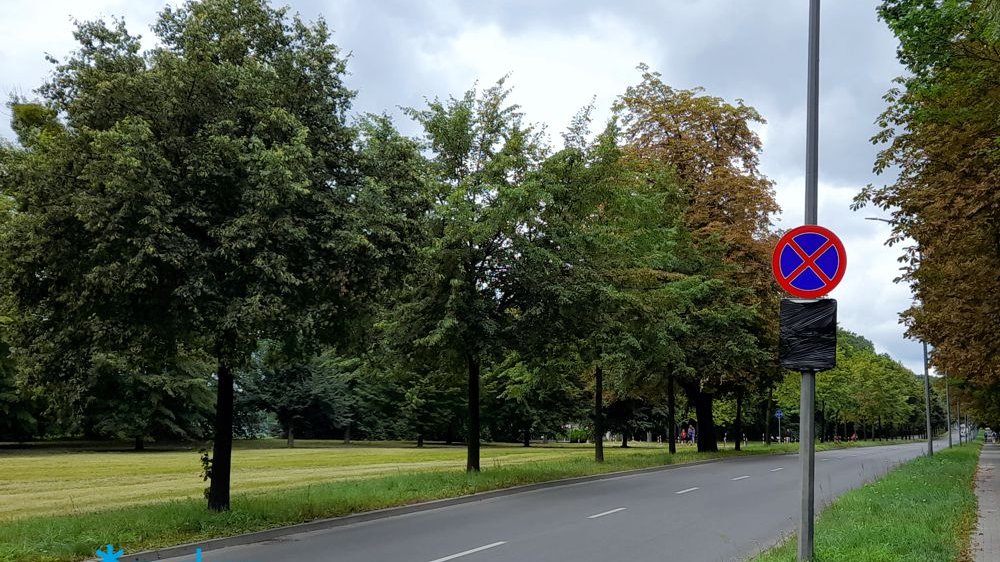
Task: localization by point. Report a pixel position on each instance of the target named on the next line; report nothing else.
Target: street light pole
(947, 408)
(807, 396)
(927, 402)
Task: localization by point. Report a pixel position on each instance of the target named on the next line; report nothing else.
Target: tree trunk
(738, 425)
(822, 421)
(598, 414)
(290, 434)
(222, 449)
(140, 443)
(472, 461)
(671, 414)
(420, 440)
(527, 436)
(705, 432)
(449, 438)
(347, 434)
(625, 435)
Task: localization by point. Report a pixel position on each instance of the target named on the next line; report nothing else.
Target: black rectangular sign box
(808, 334)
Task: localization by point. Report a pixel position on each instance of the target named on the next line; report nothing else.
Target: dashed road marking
(679, 492)
(468, 552)
(609, 512)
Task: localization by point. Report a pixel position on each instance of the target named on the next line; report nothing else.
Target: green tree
(606, 244)
(299, 391)
(529, 398)
(174, 403)
(18, 420)
(459, 303)
(213, 200)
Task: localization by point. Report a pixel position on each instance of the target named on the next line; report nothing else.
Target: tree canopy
(940, 132)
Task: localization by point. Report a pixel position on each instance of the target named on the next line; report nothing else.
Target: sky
(561, 54)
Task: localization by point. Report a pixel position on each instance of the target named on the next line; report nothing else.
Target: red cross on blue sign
(809, 261)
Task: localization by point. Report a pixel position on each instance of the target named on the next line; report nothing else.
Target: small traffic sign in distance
(779, 414)
(809, 261)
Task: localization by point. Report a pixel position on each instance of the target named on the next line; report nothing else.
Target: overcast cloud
(563, 53)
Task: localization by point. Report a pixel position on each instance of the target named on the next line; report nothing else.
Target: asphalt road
(722, 511)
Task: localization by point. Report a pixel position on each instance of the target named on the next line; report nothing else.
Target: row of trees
(203, 219)
(204, 211)
(869, 394)
(942, 134)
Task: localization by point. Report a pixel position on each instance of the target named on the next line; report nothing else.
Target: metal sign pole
(808, 394)
(927, 403)
(807, 454)
(812, 116)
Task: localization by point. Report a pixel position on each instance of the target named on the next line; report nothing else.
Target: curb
(189, 549)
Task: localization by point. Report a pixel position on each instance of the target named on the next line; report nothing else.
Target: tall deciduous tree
(202, 195)
(607, 242)
(729, 203)
(459, 306)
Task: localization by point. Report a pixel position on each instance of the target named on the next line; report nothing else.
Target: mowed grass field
(93, 477)
(48, 482)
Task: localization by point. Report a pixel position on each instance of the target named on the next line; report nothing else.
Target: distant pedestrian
(691, 434)
(684, 436)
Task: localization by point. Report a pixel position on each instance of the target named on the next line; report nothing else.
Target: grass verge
(923, 511)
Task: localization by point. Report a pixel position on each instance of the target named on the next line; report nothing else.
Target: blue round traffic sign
(809, 261)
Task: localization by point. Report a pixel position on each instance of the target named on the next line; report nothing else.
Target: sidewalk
(986, 539)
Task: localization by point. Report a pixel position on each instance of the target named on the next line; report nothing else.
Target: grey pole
(807, 454)
(927, 403)
(958, 415)
(947, 408)
(812, 116)
(807, 447)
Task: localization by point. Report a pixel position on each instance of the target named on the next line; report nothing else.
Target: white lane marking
(777, 469)
(679, 492)
(739, 478)
(468, 552)
(616, 510)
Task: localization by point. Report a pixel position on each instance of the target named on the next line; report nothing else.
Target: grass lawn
(924, 511)
(59, 503)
